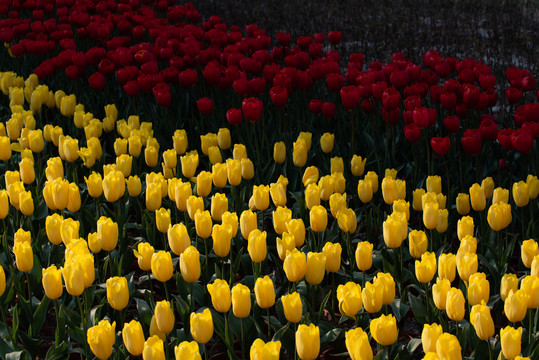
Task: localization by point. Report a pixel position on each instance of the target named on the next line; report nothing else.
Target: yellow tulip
(521, 195)
(528, 250)
(349, 297)
(447, 265)
(488, 187)
(478, 289)
(448, 347)
(180, 142)
(52, 282)
(299, 153)
(222, 237)
(477, 197)
(318, 218)
(511, 339)
(279, 152)
(162, 219)
(247, 169)
(278, 194)
(516, 305)
(257, 245)
(107, 232)
(296, 227)
(333, 256)
(372, 296)
(482, 321)
(430, 215)
(530, 285)
(429, 336)
(161, 266)
(384, 329)
(364, 190)
(239, 152)
(418, 243)
(533, 186)
(241, 301)
(293, 309)
(144, 254)
(101, 338)
(153, 349)
(364, 255)
(357, 165)
(426, 268)
(357, 344)
(465, 226)
(280, 217)
(455, 304)
(308, 342)
(190, 264)
(440, 291)
(233, 169)
(312, 196)
(463, 203)
(417, 202)
(133, 337)
(117, 292)
(264, 292)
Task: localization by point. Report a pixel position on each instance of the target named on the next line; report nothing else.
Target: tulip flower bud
(511, 339)
(101, 338)
(5, 148)
(384, 329)
(107, 232)
(280, 217)
(429, 336)
(439, 293)
(26, 170)
(448, 347)
(134, 186)
(278, 194)
(482, 321)
(73, 278)
(389, 190)
(299, 153)
(465, 226)
(463, 204)
(310, 176)
(241, 301)
(528, 250)
(261, 350)
(333, 256)
(4, 204)
(292, 306)
(94, 184)
(279, 152)
(520, 194)
(247, 169)
(336, 165)
(447, 265)
(248, 222)
(516, 305)
(500, 195)
(257, 245)
(533, 186)
(162, 220)
(478, 289)
(202, 326)
(133, 337)
(357, 344)
(364, 255)
(349, 297)
(187, 350)
(296, 227)
(418, 243)
(417, 203)
(488, 187)
(144, 254)
(51, 279)
(315, 268)
(264, 292)
(364, 191)
(372, 296)
(164, 316)
(477, 197)
(357, 165)
(117, 292)
(308, 342)
(467, 265)
(261, 197)
(153, 348)
(161, 266)
(455, 304)
(190, 264)
(535, 266)
(114, 186)
(189, 164)
(326, 142)
(434, 184)
(233, 168)
(430, 215)
(395, 230)
(220, 295)
(24, 256)
(203, 224)
(318, 218)
(426, 268)
(26, 203)
(312, 196)
(530, 285)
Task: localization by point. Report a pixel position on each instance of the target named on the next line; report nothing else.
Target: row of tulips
(78, 271)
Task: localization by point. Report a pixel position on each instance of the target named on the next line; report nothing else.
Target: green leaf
(323, 304)
(412, 345)
(17, 355)
(331, 335)
(399, 309)
(419, 309)
(40, 315)
(280, 332)
(144, 311)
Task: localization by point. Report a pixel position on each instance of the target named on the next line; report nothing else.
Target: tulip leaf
(144, 311)
(280, 332)
(323, 305)
(59, 334)
(17, 355)
(39, 316)
(418, 308)
(413, 345)
(399, 309)
(331, 335)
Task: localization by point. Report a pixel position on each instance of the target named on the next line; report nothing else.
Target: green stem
(29, 289)
(489, 350)
(530, 332)
(192, 299)
(13, 340)
(83, 319)
(242, 340)
(269, 324)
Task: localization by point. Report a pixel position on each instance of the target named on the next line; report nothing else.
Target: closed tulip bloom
(516, 305)
(372, 296)
(170, 158)
(257, 245)
(233, 171)
(231, 218)
(447, 265)
(285, 244)
(151, 155)
(144, 254)
(430, 215)
(533, 186)
(535, 266)
(204, 183)
(164, 316)
(239, 152)
(429, 336)
(439, 293)
(241, 301)
(26, 170)
(528, 250)
(443, 215)
(69, 230)
(60, 193)
(133, 337)
(134, 186)
(294, 265)
(388, 287)
(5, 148)
(248, 222)
(299, 153)
(318, 218)
(312, 196)
(219, 204)
(178, 238)
(203, 224)
(189, 164)
(530, 285)
(180, 142)
(162, 219)
(497, 216)
(24, 256)
(482, 322)
(315, 268)
(187, 350)
(292, 306)
(162, 266)
(73, 278)
(521, 195)
(219, 175)
(384, 329)
(403, 206)
(202, 326)
(467, 265)
(310, 176)
(333, 256)
(101, 339)
(347, 220)
(364, 191)
(52, 282)
(155, 331)
(4, 204)
(114, 186)
(26, 203)
(455, 304)
(117, 292)
(357, 165)
(477, 197)
(296, 227)
(511, 339)
(357, 344)
(392, 231)
(261, 197)
(194, 205)
(418, 243)
(349, 297)
(94, 184)
(247, 169)
(107, 232)
(465, 226)
(153, 349)
(364, 255)
(478, 289)
(220, 295)
(222, 237)
(124, 164)
(52, 226)
(448, 347)
(500, 195)
(337, 165)
(308, 342)
(190, 264)
(70, 148)
(389, 190)
(337, 202)
(281, 216)
(265, 351)
(426, 268)
(417, 202)
(326, 142)
(279, 152)
(463, 203)
(264, 292)
(434, 184)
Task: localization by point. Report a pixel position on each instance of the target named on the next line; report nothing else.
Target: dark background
(499, 33)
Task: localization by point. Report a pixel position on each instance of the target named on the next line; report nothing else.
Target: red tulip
(328, 110)
(334, 37)
(367, 106)
(234, 116)
(378, 89)
(391, 117)
(349, 97)
(161, 91)
(448, 100)
(488, 128)
(131, 88)
(315, 106)
(528, 83)
(252, 109)
(335, 81)
(513, 95)
(205, 106)
(398, 79)
(97, 81)
(471, 142)
(532, 127)
(421, 117)
(504, 138)
(522, 140)
(440, 145)
(412, 133)
(470, 96)
(391, 99)
(452, 124)
(279, 96)
(320, 37)
(283, 38)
